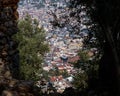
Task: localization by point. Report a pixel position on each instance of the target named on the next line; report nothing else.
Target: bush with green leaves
(32, 48)
(87, 74)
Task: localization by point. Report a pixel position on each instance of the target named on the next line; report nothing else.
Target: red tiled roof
(53, 78)
(60, 77)
(73, 59)
(59, 61)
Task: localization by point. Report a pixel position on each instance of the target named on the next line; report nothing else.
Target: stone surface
(9, 55)
(8, 48)
(10, 85)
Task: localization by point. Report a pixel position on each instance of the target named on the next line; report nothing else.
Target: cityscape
(59, 48)
(63, 47)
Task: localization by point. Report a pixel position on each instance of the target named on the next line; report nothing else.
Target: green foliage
(32, 47)
(80, 80)
(65, 74)
(81, 77)
(84, 58)
(87, 71)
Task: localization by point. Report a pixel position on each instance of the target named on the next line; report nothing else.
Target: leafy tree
(87, 74)
(81, 80)
(32, 47)
(84, 58)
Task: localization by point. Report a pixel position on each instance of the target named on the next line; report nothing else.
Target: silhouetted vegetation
(105, 17)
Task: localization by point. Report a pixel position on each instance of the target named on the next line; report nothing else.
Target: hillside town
(59, 48)
(63, 46)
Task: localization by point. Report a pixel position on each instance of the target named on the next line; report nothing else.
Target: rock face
(9, 57)
(10, 85)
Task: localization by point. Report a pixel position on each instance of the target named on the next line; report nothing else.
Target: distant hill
(36, 3)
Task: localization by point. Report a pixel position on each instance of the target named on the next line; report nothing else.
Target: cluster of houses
(62, 55)
(63, 47)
